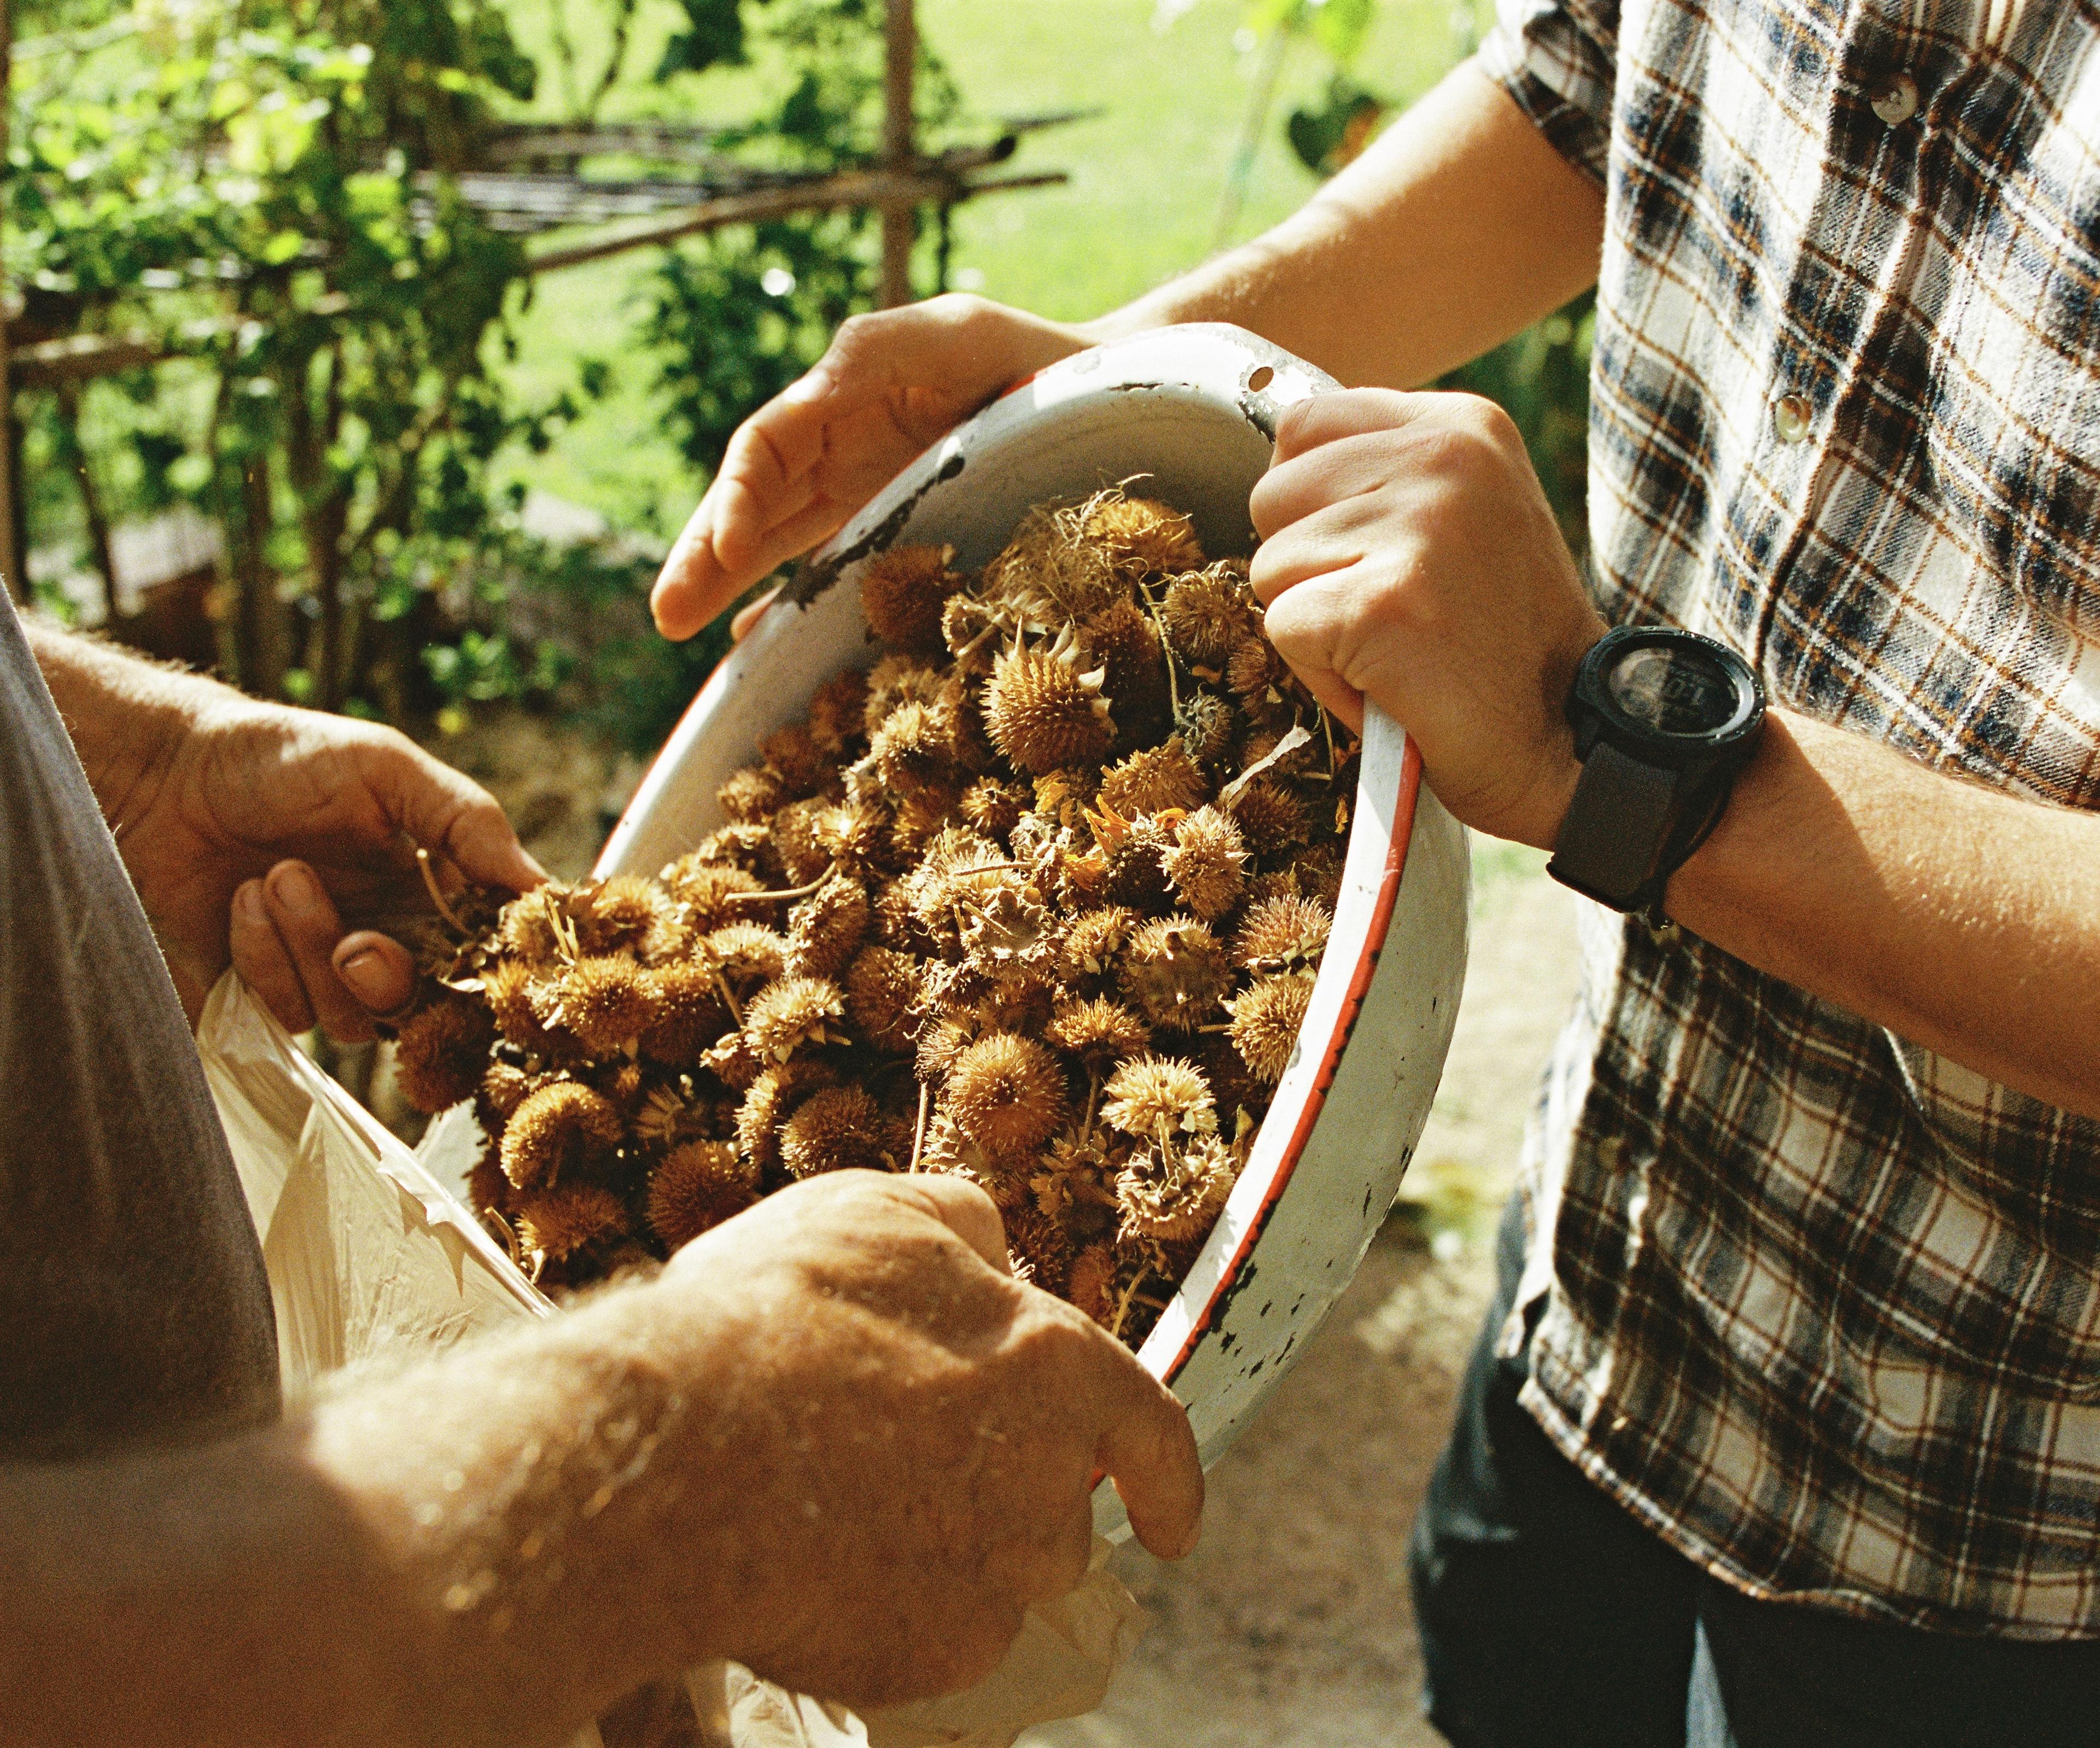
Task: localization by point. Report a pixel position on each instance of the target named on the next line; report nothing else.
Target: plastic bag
(369, 1251)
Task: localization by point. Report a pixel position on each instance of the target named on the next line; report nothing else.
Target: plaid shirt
(1822, 1306)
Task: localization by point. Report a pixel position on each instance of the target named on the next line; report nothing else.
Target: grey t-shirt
(134, 1308)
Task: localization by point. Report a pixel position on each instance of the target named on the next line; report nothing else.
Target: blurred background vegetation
(358, 456)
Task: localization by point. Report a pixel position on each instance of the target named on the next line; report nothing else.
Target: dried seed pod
(752, 793)
(1074, 1181)
(837, 1129)
(732, 1062)
(1008, 930)
(1174, 1197)
(837, 712)
(1039, 1248)
(507, 987)
(505, 1086)
(666, 1117)
(1142, 536)
(1174, 973)
(902, 593)
(943, 1039)
(535, 926)
(1001, 1176)
(1135, 860)
(1095, 941)
(607, 1001)
(1320, 873)
(1042, 712)
(773, 1098)
(1208, 865)
(1269, 815)
(881, 984)
(1098, 1031)
(1208, 615)
(1091, 1282)
(825, 930)
(1233, 1085)
(697, 1187)
(1157, 1095)
(440, 1052)
(745, 953)
(793, 1013)
(743, 844)
(1283, 933)
(1006, 1093)
(994, 806)
(1257, 675)
(855, 835)
(554, 1130)
(895, 680)
(691, 1014)
(896, 924)
(797, 842)
(1265, 1021)
(970, 628)
(557, 1223)
(1153, 780)
(1205, 724)
(915, 749)
(704, 888)
(803, 767)
(1123, 641)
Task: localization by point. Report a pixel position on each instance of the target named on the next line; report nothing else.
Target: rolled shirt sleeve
(1557, 58)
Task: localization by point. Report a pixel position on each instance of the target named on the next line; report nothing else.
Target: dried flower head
(607, 1001)
(793, 1013)
(920, 817)
(1175, 1196)
(1098, 1031)
(535, 926)
(796, 841)
(745, 953)
(825, 930)
(747, 844)
(1006, 929)
(506, 986)
(505, 1086)
(837, 712)
(903, 591)
(1269, 815)
(1282, 934)
(1075, 1182)
(1091, 1282)
(855, 835)
(440, 1052)
(1209, 614)
(994, 806)
(752, 793)
(1153, 780)
(488, 1190)
(1038, 1247)
(914, 747)
(1095, 941)
(837, 1129)
(1174, 973)
(895, 680)
(772, 1099)
(1124, 642)
(803, 766)
(557, 1223)
(1257, 674)
(881, 984)
(704, 888)
(1265, 1020)
(1043, 713)
(1001, 1176)
(554, 1130)
(1006, 1093)
(698, 1186)
(1208, 865)
(1142, 536)
(1135, 856)
(691, 1014)
(970, 628)
(1158, 1095)
(1205, 724)
(732, 1062)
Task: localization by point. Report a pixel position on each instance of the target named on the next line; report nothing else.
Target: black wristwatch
(1663, 721)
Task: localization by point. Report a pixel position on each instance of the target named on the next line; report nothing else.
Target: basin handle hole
(1262, 375)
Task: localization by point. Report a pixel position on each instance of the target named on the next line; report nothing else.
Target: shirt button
(1790, 417)
(1895, 100)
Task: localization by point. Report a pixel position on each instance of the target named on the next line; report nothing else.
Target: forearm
(1965, 920)
(1459, 228)
(484, 1549)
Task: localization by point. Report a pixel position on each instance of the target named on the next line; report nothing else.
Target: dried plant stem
(723, 990)
(1129, 1293)
(437, 897)
(919, 1129)
(986, 868)
(1166, 649)
(792, 892)
(506, 1231)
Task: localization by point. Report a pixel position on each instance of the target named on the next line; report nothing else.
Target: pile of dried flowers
(1037, 900)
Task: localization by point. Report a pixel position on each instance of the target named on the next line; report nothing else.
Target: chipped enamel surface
(1192, 411)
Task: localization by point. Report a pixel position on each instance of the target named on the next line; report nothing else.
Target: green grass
(1146, 178)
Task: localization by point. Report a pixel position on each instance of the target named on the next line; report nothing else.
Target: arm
(1458, 228)
(833, 1441)
(1409, 556)
(249, 828)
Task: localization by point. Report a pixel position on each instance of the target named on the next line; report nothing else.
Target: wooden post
(900, 147)
(18, 585)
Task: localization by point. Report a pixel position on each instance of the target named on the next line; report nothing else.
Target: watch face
(1672, 688)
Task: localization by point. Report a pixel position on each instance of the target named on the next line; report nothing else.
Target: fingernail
(248, 902)
(366, 977)
(296, 889)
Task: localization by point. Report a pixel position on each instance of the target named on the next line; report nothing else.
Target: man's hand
(253, 829)
(797, 469)
(1409, 556)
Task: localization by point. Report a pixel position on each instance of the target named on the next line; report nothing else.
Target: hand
(1409, 556)
(258, 827)
(797, 469)
(931, 1430)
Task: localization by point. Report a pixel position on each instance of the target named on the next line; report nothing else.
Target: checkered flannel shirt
(1821, 1307)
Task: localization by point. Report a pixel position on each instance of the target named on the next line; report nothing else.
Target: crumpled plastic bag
(370, 1251)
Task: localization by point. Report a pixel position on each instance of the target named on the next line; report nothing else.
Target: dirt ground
(1290, 1625)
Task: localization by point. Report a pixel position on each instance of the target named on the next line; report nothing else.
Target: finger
(377, 970)
(748, 616)
(305, 919)
(1305, 625)
(263, 963)
(441, 809)
(965, 1210)
(1344, 413)
(1340, 475)
(1148, 1450)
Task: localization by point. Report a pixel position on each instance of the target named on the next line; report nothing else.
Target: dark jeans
(1550, 1618)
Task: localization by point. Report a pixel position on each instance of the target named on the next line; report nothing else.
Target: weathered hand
(1409, 555)
(890, 384)
(922, 1436)
(259, 829)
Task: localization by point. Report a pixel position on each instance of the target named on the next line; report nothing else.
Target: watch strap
(1617, 828)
